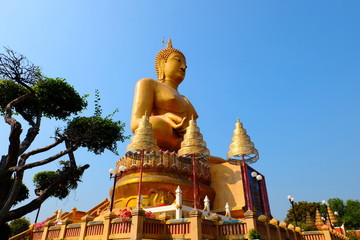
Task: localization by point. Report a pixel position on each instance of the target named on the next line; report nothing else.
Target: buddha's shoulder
(147, 81)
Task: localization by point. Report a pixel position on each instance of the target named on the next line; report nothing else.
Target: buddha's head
(170, 61)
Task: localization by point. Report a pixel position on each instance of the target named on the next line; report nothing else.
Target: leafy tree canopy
(348, 212)
(27, 97)
(19, 225)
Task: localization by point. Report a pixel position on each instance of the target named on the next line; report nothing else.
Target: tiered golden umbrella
(242, 152)
(241, 147)
(143, 142)
(193, 148)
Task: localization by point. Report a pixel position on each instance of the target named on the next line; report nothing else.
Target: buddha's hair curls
(164, 54)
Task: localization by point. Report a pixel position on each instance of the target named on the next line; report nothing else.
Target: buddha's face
(175, 67)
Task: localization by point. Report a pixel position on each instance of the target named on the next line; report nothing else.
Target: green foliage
(337, 205)
(253, 234)
(54, 98)
(349, 213)
(305, 227)
(11, 90)
(35, 96)
(352, 235)
(352, 214)
(19, 225)
(43, 180)
(95, 133)
(301, 210)
(98, 109)
(23, 193)
(58, 99)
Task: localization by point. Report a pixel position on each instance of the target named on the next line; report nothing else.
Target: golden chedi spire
(143, 138)
(318, 220)
(331, 215)
(193, 144)
(309, 220)
(241, 146)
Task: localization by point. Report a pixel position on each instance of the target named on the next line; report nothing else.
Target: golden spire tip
(169, 44)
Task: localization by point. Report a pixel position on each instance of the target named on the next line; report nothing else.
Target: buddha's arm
(143, 101)
(144, 98)
(191, 113)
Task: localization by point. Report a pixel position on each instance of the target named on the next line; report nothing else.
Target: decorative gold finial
(309, 220)
(241, 146)
(331, 214)
(193, 143)
(318, 221)
(143, 138)
(169, 44)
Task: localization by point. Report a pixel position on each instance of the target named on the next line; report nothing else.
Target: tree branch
(35, 204)
(31, 134)
(14, 138)
(12, 194)
(42, 162)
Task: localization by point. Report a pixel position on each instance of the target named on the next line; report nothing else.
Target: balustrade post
(265, 220)
(216, 218)
(298, 232)
(107, 224)
(291, 228)
(137, 224)
(47, 225)
(326, 231)
(275, 223)
(250, 220)
(195, 225)
(64, 224)
(83, 225)
(283, 225)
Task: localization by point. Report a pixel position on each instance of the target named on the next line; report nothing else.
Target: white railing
(179, 208)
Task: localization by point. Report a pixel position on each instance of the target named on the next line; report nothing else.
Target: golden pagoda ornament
(331, 215)
(143, 139)
(318, 220)
(193, 144)
(143, 142)
(309, 220)
(193, 148)
(241, 147)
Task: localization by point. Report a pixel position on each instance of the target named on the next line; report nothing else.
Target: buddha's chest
(169, 100)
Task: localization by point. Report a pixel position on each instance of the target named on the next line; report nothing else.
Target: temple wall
(227, 183)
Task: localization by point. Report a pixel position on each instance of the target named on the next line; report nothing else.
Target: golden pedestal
(162, 175)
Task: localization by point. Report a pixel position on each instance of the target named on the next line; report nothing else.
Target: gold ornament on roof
(331, 215)
(193, 144)
(309, 220)
(318, 221)
(143, 138)
(241, 147)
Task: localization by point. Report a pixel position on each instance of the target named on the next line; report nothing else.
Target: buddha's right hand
(175, 121)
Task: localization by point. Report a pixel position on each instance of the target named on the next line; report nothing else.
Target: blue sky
(289, 70)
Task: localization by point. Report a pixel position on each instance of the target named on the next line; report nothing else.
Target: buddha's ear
(161, 69)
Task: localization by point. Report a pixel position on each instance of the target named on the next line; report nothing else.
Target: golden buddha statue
(169, 111)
